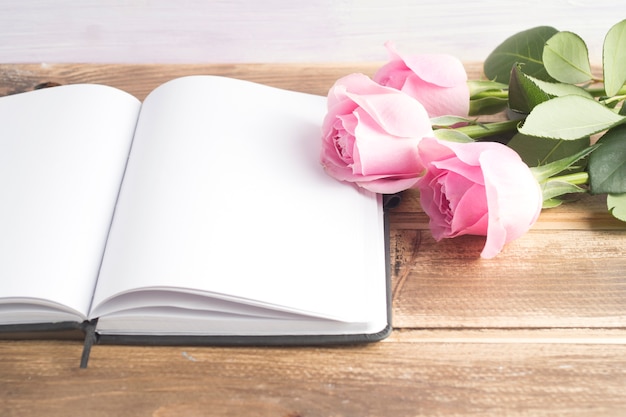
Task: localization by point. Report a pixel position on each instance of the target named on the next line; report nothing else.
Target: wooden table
(539, 330)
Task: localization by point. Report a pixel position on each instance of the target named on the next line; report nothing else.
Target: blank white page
(224, 195)
(62, 156)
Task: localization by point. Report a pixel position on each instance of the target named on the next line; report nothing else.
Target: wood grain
(401, 377)
(140, 79)
(539, 330)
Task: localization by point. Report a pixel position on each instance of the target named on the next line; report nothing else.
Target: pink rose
(477, 188)
(370, 135)
(437, 81)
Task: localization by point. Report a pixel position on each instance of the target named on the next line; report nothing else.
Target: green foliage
(448, 121)
(526, 92)
(607, 166)
(554, 95)
(522, 48)
(616, 203)
(566, 58)
(552, 190)
(551, 203)
(479, 87)
(614, 58)
(487, 105)
(553, 186)
(487, 97)
(546, 172)
(451, 135)
(540, 151)
(569, 117)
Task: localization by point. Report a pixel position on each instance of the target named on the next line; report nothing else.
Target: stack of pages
(201, 215)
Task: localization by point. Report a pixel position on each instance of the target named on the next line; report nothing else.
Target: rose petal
(393, 74)
(514, 198)
(471, 155)
(472, 172)
(388, 185)
(380, 153)
(470, 213)
(398, 115)
(439, 101)
(440, 69)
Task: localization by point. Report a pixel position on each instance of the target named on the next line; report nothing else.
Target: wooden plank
(544, 279)
(402, 377)
(140, 79)
(586, 212)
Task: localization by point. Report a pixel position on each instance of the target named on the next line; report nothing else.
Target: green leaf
(524, 95)
(614, 58)
(552, 189)
(566, 58)
(487, 105)
(551, 203)
(540, 151)
(569, 117)
(522, 48)
(543, 173)
(478, 87)
(560, 89)
(487, 97)
(447, 121)
(607, 166)
(616, 203)
(451, 135)
(526, 92)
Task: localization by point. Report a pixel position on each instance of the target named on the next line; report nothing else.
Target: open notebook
(199, 216)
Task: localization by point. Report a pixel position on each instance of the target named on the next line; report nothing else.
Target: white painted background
(220, 31)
